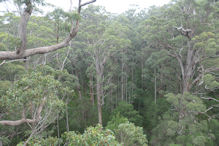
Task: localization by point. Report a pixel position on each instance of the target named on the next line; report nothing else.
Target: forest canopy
(85, 76)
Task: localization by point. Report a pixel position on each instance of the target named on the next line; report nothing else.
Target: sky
(113, 6)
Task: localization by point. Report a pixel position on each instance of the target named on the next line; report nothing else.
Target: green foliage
(127, 110)
(67, 81)
(4, 140)
(29, 93)
(50, 141)
(11, 71)
(93, 136)
(79, 110)
(202, 44)
(187, 102)
(130, 135)
(214, 127)
(5, 85)
(210, 82)
(116, 120)
(8, 42)
(152, 113)
(181, 125)
(127, 133)
(157, 58)
(33, 86)
(42, 32)
(137, 46)
(207, 41)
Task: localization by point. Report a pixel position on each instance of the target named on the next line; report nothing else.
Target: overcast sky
(113, 6)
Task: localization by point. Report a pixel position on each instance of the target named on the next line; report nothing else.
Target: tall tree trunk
(188, 69)
(132, 82)
(99, 75)
(142, 78)
(23, 27)
(79, 92)
(122, 83)
(57, 33)
(118, 90)
(99, 101)
(79, 87)
(111, 100)
(122, 77)
(67, 119)
(126, 87)
(58, 131)
(155, 86)
(91, 90)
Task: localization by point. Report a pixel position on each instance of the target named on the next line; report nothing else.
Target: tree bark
(122, 77)
(23, 27)
(99, 104)
(58, 131)
(91, 90)
(98, 86)
(189, 69)
(78, 87)
(99, 61)
(155, 86)
(17, 122)
(67, 119)
(24, 119)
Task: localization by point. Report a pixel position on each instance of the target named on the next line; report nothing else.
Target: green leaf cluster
(93, 136)
(181, 124)
(127, 110)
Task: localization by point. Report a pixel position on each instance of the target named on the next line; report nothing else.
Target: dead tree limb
(185, 32)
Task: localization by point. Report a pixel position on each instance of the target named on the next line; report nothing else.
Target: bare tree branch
(210, 98)
(64, 61)
(211, 69)
(17, 122)
(23, 119)
(11, 55)
(185, 32)
(84, 4)
(200, 76)
(5, 62)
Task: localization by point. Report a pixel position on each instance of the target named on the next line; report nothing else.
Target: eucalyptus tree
(100, 41)
(21, 50)
(182, 125)
(187, 31)
(105, 47)
(35, 98)
(180, 29)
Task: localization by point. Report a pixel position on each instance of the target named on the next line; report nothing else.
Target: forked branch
(23, 117)
(186, 32)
